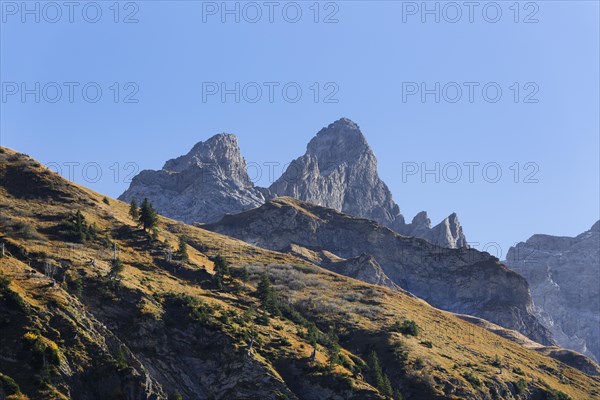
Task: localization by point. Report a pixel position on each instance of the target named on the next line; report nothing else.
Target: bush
(472, 379)
(557, 395)
(497, 362)
(427, 344)
(419, 363)
(406, 327)
(12, 299)
(518, 371)
(8, 385)
(520, 386)
(106, 201)
(41, 349)
(116, 269)
(25, 230)
(186, 309)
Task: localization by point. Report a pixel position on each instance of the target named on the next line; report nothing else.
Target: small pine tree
(382, 381)
(80, 227)
(386, 386)
(375, 369)
(182, 250)
(154, 234)
(266, 294)
(148, 217)
(134, 210)
(221, 269)
(116, 269)
(245, 275)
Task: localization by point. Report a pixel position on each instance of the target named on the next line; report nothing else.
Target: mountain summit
(338, 170)
(201, 186)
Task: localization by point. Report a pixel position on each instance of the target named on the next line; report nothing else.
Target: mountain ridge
(564, 276)
(338, 170)
(458, 280)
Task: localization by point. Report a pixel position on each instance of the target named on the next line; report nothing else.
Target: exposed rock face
(447, 233)
(564, 277)
(459, 280)
(201, 186)
(364, 268)
(339, 171)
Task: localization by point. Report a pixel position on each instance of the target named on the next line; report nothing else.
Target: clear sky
(368, 60)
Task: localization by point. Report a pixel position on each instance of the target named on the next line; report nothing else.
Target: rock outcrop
(339, 171)
(564, 277)
(459, 280)
(201, 186)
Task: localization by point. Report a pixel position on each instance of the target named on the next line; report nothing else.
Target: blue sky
(370, 58)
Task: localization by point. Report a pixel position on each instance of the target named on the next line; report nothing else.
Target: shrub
(116, 269)
(472, 379)
(520, 386)
(41, 349)
(557, 395)
(186, 309)
(518, 371)
(419, 363)
(182, 249)
(106, 201)
(497, 362)
(12, 298)
(406, 327)
(8, 385)
(427, 344)
(175, 396)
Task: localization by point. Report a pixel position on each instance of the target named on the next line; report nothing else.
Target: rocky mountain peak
(211, 180)
(338, 170)
(220, 152)
(340, 142)
(421, 220)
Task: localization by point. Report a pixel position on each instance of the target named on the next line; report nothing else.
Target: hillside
(76, 325)
(462, 280)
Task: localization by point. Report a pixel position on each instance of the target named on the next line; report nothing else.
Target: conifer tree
(182, 250)
(266, 294)
(134, 210)
(148, 217)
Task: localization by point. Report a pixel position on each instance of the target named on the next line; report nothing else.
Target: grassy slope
(362, 313)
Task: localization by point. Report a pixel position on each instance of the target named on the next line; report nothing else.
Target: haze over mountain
(564, 277)
(339, 170)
